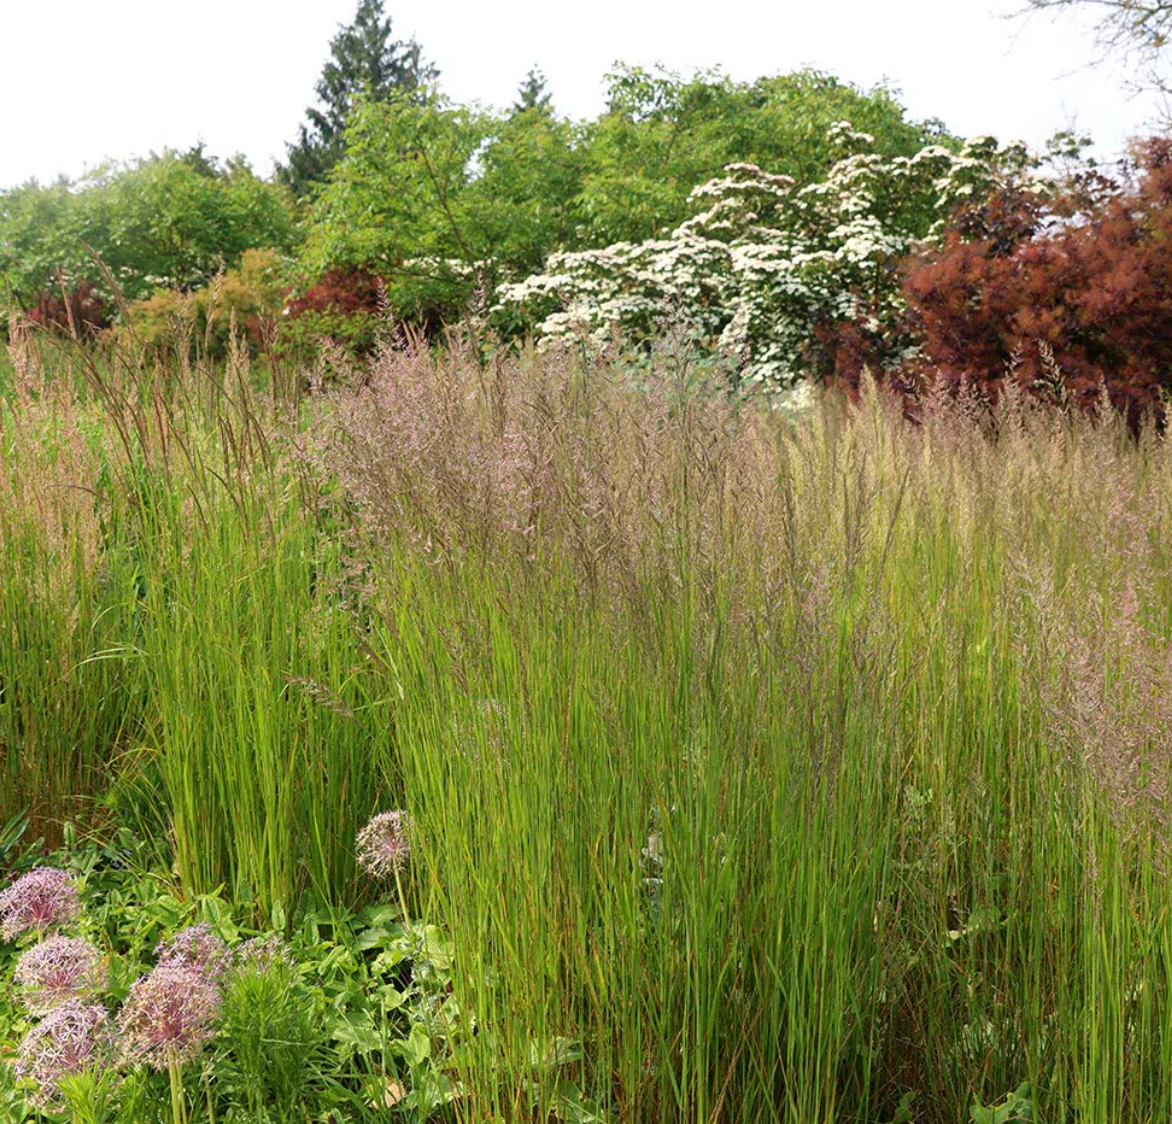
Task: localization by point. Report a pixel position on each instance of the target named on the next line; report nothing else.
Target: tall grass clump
(263, 722)
(70, 682)
(185, 626)
(759, 764)
(776, 769)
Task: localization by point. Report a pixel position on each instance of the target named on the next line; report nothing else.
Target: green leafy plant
(271, 1037)
(1017, 1106)
(171, 221)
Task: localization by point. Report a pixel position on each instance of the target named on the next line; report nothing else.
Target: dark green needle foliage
(365, 62)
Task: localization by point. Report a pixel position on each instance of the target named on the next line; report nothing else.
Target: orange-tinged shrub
(251, 295)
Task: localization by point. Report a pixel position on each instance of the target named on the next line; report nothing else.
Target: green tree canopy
(397, 204)
(441, 200)
(168, 221)
(662, 135)
(533, 94)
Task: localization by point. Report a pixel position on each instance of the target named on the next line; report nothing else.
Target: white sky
(82, 81)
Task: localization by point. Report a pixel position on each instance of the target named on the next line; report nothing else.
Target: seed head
(59, 969)
(383, 845)
(195, 947)
(261, 954)
(168, 1017)
(70, 1039)
(43, 899)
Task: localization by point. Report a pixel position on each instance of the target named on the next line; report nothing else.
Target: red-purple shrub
(1084, 303)
(81, 309)
(342, 305)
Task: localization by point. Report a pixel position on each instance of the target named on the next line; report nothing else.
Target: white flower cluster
(630, 285)
(436, 267)
(762, 264)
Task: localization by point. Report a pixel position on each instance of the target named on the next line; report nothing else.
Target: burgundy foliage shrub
(82, 305)
(1064, 307)
(343, 305)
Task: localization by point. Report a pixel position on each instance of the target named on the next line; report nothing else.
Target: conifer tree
(364, 62)
(533, 94)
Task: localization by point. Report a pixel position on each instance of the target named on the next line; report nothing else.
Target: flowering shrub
(768, 269)
(43, 899)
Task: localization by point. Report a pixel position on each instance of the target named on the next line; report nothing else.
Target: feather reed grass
(760, 767)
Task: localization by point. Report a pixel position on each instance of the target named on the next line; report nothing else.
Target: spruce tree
(364, 61)
(533, 94)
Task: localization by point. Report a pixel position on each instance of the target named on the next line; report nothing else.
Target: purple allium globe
(59, 969)
(70, 1039)
(169, 1016)
(262, 954)
(383, 845)
(43, 899)
(195, 947)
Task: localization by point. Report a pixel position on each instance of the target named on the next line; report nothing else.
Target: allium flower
(70, 1039)
(195, 947)
(44, 899)
(168, 1017)
(261, 954)
(59, 969)
(383, 844)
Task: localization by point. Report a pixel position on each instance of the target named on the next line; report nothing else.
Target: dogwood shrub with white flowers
(762, 266)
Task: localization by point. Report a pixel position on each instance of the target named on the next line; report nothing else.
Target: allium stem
(402, 899)
(207, 1089)
(178, 1108)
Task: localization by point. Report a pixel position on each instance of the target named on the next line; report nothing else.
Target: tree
(662, 135)
(441, 201)
(200, 161)
(533, 94)
(1062, 309)
(522, 200)
(170, 221)
(444, 202)
(773, 269)
(364, 63)
(1134, 29)
(395, 206)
